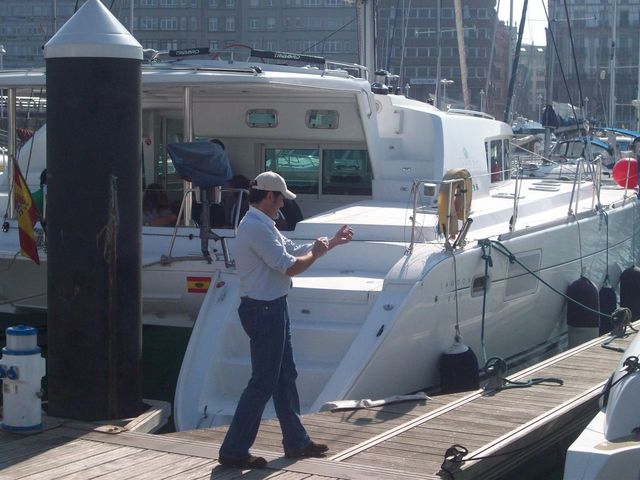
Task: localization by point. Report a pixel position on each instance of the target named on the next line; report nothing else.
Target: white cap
(93, 32)
(272, 182)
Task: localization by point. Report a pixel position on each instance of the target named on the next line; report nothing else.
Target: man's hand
(320, 247)
(342, 236)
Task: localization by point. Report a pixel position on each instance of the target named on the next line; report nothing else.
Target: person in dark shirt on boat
(232, 202)
(155, 207)
(266, 260)
(39, 195)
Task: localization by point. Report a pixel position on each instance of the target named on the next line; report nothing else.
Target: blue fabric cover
(205, 164)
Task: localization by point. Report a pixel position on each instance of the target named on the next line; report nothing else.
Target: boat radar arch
(93, 32)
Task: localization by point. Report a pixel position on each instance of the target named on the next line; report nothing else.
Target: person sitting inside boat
(288, 216)
(155, 207)
(265, 261)
(232, 201)
(39, 196)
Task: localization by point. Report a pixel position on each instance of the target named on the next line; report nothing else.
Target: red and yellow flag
(27, 215)
(198, 284)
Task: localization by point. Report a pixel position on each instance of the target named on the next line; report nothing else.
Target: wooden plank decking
(397, 441)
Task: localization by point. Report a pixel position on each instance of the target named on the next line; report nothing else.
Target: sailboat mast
(612, 67)
(516, 59)
(439, 56)
(366, 34)
(550, 77)
(461, 52)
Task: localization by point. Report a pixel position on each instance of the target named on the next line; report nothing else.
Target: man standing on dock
(265, 261)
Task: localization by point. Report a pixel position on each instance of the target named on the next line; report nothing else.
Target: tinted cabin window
(299, 167)
(346, 172)
(499, 161)
(340, 171)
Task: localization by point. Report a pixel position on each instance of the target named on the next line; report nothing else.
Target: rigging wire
(329, 36)
(564, 78)
(573, 54)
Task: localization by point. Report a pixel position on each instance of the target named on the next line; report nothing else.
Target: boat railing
(432, 192)
(470, 113)
(206, 233)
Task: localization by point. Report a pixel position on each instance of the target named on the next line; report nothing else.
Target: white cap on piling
(93, 32)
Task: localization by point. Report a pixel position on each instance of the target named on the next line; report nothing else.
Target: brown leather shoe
(244, 463)
(312, 449)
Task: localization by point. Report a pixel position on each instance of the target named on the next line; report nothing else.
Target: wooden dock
(397, 441)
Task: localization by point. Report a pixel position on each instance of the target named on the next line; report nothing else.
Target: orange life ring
(448, 215)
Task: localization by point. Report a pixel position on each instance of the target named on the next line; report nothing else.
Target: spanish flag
(198, 284)
(27, 215)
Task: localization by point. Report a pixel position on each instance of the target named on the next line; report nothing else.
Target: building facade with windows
(408, 46)
(319, 27)
(592, 26)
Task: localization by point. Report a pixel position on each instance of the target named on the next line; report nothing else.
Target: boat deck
(401, 441)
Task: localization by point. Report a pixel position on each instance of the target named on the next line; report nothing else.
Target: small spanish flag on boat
(198, 284)
(27, 215)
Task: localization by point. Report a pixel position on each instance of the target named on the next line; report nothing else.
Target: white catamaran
(431, 199)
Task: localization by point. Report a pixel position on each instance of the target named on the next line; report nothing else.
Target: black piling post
(94, 218)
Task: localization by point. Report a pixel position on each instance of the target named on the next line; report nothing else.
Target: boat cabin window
(299, 167)
(322, 119)
(262, 118)
(328, 171)
(346, 172)
(498, 159)
(519, 281)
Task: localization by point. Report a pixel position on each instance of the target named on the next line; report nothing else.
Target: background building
(592, 27)
(322, 27)
(529, 97)
(408, 46)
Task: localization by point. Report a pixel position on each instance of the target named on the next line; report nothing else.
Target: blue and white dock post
(94, 217)
(21, 370)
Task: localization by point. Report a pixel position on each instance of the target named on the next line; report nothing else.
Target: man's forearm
(302, 263)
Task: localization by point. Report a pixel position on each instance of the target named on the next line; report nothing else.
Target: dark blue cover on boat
(205, 164)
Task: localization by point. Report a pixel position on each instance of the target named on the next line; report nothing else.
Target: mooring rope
(500, 247)
(454, 455)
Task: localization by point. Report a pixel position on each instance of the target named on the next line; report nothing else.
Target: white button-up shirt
(263, 256)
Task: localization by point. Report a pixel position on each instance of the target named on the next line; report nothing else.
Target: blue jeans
(273, 374)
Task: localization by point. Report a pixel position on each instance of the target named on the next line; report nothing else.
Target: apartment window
(194, 24)
(214, 44)
(230, 3)
(213, 3)
(146, 23)
(335, 3)
(230, 24)
(311, 3)
(271, 23)
(183, 24)
(169, 3)
(254, 23)
(168, 23)
(148, 3)
(331, 46)
(271, 44)
(213, 24)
